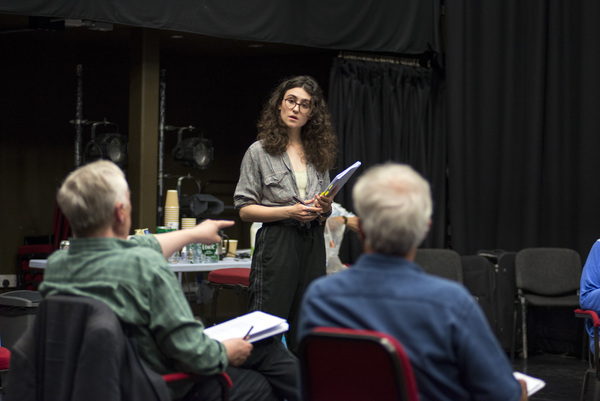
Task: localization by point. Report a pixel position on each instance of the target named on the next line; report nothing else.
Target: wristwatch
(345, 220)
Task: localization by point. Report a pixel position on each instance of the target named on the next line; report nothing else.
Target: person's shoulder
(324, 284)
(255, 152)
(256, 146)
(146, 253)
(596, 246)
(446, 290)
(594, 254)
(56, 256)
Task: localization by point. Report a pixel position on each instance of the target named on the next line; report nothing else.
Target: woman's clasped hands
(305, 211)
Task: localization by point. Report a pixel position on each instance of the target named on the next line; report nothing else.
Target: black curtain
(523, 97)
(387, 111)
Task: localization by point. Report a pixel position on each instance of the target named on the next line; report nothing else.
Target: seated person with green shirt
(134, 279)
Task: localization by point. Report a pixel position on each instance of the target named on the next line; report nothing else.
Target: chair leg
(524, 326)
(213, 314)
(584, 386)
(513, 340)
(585, 345)
(596, 390)
(3, 374)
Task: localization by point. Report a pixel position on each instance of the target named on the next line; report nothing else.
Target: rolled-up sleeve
(249, 184)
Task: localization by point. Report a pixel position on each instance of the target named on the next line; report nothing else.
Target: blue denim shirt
(453, 351)
(589, 295)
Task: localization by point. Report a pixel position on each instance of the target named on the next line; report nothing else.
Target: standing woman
(295, 150)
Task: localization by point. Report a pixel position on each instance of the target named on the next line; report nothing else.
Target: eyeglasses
(290, 103)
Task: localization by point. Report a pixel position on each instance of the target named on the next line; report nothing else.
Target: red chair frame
(593, 357)
(348, 364)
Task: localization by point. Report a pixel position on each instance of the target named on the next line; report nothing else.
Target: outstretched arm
(206, 232)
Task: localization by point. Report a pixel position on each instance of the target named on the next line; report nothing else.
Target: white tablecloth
(179, 268)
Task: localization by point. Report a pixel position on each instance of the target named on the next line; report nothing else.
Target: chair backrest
(77, 349)
(440, 262)
(548, 271)
(352, 365)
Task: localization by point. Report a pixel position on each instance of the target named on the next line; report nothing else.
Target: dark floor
(563, 376)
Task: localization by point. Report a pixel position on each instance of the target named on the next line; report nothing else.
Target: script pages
(340, 179)
(259, 324)
(533, 383)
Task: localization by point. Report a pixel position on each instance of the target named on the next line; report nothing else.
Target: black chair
(354, 365)
(78, 350)
(440, 262)
(235, 278)
(547, 277)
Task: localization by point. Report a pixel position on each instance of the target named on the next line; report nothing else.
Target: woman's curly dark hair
(318, 139)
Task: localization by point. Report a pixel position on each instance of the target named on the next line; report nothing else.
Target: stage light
(109, 146)
(197, 152)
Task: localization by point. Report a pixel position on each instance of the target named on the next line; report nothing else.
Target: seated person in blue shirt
(453, 351)
(589, 294)
(134, 279)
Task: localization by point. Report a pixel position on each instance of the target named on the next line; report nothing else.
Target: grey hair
(88, 196)
(394, 205)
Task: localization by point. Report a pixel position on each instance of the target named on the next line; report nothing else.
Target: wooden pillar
(143, 127)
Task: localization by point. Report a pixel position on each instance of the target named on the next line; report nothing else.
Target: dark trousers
(287, 258)
(270, 373)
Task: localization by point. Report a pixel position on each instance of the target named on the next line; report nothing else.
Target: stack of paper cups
(188, 222)
(172, 209)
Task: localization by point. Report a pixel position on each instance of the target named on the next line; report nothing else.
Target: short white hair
(394, 205)
(88, 196)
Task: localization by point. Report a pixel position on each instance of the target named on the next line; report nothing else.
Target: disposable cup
(188, 222)
(172, 217)
(172, 212)
(230, 246)
(172, 198)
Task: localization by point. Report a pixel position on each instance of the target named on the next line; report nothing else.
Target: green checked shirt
(135, 281)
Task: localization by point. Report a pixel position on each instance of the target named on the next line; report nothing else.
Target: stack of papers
(340, 179)
(260, 325)
(533, 383)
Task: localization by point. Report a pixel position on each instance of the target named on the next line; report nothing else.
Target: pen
(304, 203)
(299, 200)
(248, 333)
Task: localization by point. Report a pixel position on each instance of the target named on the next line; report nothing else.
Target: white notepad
(533, 383)
(263, 325)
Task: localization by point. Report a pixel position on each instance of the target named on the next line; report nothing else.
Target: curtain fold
(386, 111)
(523, 95)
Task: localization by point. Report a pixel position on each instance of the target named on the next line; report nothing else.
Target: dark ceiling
(24, 28)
